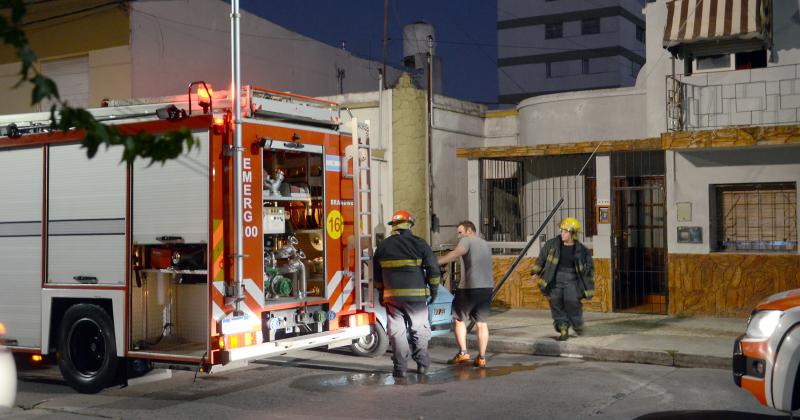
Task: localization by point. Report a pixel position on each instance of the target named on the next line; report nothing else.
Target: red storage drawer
(160, 258)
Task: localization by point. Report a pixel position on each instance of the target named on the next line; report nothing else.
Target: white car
(8, 375)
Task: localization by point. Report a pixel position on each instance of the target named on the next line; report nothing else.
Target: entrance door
(639, 244)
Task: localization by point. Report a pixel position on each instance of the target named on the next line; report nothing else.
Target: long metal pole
(236, 90)
(431, 216)
(385, 40)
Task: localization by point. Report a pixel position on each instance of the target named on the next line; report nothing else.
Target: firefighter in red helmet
(406, 274)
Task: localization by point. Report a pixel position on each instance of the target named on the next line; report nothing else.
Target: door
(639, 275)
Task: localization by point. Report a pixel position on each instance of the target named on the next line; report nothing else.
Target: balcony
(755, 97)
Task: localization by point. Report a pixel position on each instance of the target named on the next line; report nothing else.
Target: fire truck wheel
(87, 347)
(373, 345)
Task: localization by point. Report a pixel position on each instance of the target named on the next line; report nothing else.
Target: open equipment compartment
(293, 223)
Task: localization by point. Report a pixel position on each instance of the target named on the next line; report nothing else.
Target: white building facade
(690, 201)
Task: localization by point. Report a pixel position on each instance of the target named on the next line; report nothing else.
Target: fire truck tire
(87, 348)
(373, 345)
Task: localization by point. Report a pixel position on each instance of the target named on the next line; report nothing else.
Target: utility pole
(385, 39)
(434, 222)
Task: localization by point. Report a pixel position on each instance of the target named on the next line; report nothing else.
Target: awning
(695, 21)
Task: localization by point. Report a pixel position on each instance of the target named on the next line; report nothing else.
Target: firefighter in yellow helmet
(406, 273)
(565, 274)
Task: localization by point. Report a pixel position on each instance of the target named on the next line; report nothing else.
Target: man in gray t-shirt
(474, 295)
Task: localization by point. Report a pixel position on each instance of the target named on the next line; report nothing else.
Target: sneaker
(480, 362)
(460, 357)
(564, 333)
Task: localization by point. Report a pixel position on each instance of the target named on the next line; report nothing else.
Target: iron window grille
(759, 217)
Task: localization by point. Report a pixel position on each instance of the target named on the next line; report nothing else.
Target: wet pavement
(335, 384)
(436, 376)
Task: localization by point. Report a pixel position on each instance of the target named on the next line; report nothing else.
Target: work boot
(480, 362)
(564, 333)
(422, 369)
(578, 330)
(460, 357)
(397, 373)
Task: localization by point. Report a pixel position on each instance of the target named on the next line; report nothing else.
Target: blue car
(439, 314)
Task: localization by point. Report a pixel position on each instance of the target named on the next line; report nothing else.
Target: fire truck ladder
(362, 226)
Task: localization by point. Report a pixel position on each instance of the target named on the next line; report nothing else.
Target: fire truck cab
(117, 268)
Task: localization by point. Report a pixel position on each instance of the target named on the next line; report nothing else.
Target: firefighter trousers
(409, 332)
(565, 301)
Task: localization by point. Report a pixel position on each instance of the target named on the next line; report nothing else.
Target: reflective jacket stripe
(405, 292)
(435, 281)
(401, 263)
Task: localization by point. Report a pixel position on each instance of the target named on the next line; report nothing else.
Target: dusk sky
(465, 32)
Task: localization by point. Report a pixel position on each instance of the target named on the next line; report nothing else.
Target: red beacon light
(204, 95)
(218, 123)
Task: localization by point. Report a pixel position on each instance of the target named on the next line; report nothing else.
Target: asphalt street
(314, 384)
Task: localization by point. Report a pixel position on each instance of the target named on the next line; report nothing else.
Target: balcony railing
(765, 96)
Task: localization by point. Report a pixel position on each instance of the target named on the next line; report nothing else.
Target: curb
(550, 347)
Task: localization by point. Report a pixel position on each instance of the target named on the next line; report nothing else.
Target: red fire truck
(117, 268)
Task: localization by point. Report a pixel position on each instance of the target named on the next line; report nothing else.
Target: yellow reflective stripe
(435, 280)
(405, 292)
(400, 263)
(536, 268)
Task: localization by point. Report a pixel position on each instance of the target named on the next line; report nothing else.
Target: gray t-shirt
(477, 264)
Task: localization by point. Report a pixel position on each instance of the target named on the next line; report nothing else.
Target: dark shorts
(474, 304)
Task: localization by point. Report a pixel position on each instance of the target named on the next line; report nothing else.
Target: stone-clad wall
(409, 153)
(727, 284)
(521, 292)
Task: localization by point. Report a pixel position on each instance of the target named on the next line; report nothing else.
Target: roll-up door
(21, 244)
(72, 78)
(172, 199)
(86, 217)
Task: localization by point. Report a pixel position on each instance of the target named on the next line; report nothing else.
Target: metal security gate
(639, 252)
(517, 195)
(501, 183)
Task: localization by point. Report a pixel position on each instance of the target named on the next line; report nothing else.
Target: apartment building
(551, 46)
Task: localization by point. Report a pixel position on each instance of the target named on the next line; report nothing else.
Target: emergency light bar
(270, 103)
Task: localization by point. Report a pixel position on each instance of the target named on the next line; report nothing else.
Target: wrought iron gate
(639, 242)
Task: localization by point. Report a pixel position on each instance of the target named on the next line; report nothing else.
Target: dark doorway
(639, 243)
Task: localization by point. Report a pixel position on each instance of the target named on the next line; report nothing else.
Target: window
(737, 61)
(751, 60)
(640, 34)
(590, 26)
(755, 217)
(585, 66)
(501, 182)
(712, 62)
(548, 71)
(553, 30)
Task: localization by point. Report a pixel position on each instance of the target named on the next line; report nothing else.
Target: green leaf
(43, 88)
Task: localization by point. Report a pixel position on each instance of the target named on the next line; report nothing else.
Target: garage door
(72, 78)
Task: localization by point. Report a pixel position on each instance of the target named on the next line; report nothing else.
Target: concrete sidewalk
(618, 337)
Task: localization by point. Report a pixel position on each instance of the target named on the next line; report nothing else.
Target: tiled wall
(742, 97)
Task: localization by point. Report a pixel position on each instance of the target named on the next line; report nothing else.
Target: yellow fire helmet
(570, 224)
